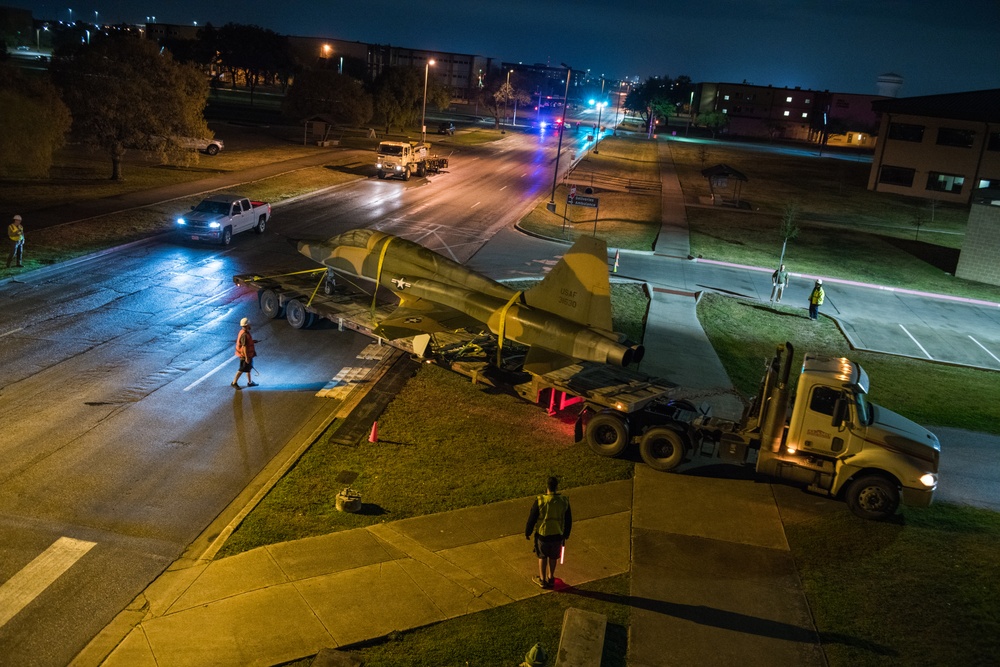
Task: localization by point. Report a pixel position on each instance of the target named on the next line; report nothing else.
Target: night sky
(837, 45)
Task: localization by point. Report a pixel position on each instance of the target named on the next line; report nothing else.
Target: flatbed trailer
(306, 297)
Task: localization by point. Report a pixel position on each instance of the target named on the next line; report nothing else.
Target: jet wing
(423, 316)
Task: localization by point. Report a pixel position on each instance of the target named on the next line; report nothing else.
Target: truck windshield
(386, 149)
(213, 207)
(863, 407)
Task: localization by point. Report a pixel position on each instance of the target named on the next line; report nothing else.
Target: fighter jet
(564, 318)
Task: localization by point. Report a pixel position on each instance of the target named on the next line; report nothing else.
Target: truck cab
(402, 159)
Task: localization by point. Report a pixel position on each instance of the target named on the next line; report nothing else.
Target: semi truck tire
(261, 223)
(227, 236)
(662, 448)
(873, 497)
(607, 434)
(421, 170)
(297, 315)
(270, 304)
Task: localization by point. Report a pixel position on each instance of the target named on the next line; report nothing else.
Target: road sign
(582, 200)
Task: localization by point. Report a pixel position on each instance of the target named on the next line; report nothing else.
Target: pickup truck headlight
(181, 221)
(214, 225)
(929, 480)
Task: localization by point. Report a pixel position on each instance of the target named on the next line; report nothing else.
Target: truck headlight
(214, 225)
(398, 167)
(180, 221)
(378, 165)
(929, 480)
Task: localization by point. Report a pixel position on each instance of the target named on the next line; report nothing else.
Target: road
(122, 438)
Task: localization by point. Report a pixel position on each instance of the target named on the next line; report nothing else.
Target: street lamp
(423, 113)
(551, 206)
(506, 94)
(597, 138)
(618, 108)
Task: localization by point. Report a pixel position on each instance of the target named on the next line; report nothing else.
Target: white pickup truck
(220, 216)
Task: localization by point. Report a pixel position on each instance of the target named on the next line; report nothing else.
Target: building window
(725, 97)
(945, 182)
(805, 114)
(725, 111)
(948, 136)
(994, 142)
(906, 132)
(788, 99)
(807, 100)
(902, 176)
(989, 183)
(787, 113)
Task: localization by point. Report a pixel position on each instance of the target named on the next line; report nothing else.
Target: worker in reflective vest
(550, 521)
(816, 299)
(246, 352)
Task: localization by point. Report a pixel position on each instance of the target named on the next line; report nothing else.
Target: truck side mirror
(839, 410)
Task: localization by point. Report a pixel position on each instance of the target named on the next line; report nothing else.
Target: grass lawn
(624, 220)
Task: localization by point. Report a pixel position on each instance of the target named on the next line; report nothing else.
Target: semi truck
(402, 159)
(828, 437)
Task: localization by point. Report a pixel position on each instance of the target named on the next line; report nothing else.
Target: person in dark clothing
(550, 521)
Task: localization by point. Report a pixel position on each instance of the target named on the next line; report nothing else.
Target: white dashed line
(916, 342)
(210, 373)
(984, 348)
(18, 591)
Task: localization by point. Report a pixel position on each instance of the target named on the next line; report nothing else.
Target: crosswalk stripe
(36, 576)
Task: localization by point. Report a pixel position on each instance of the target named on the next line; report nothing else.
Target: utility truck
(402, 159)
(828, 437)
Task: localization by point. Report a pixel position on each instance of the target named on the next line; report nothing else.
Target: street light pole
(618, 108)
(551, 206)
(506, 95)
(423, 112)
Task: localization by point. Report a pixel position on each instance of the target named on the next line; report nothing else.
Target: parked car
(446, 128)
(210, 146)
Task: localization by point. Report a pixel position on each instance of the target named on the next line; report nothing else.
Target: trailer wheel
(270, 304)
(297, 315)
(662, 448)
(873, 497)
(607, 434)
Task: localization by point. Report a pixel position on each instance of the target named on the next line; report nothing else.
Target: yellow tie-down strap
(503, 324)
(378, 272)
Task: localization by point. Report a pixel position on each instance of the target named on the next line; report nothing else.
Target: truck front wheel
(873, 497)
(662, 448)
(227, 236)
(607, 434)
(406, 174)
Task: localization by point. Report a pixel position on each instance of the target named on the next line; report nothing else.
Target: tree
(253, 55)
(788, 227)
(125, 93)
(398, 96)
(658, 97)
(713, 120)
(324, 92)
(33, 124)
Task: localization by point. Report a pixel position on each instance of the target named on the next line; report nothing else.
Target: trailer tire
(607, 434)
(270, 304)
(873, 497)
(662, 448)
(297, 315)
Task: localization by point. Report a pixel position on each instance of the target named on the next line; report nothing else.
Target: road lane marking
(12, 331)
(39, 574)
(476, 204)
(984, 348)
(210, 373)
(917, 342)
(503, 188)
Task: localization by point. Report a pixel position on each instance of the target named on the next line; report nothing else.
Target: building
(980, 258)
(938, 146)
(790, 113)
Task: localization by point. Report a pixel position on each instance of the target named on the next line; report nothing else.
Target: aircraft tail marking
(578, 288)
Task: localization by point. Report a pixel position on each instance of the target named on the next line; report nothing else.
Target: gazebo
(720, 178)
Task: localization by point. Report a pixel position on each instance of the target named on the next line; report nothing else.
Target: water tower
(888, 85)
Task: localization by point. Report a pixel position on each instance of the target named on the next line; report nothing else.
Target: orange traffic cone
(373, 437)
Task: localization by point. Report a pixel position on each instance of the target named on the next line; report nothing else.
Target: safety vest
(15, 231)
(552, 514)
(247, 345)
(817, 296)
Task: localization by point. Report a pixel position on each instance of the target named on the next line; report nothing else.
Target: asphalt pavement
(708, 559)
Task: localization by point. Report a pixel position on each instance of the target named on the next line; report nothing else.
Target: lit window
(725, 111)
(788, 99)
(945, 182)
(787, 113)
(805, 115)
(807, 100)
(725, 97)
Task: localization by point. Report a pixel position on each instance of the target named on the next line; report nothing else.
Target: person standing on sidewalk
(15, 232)
(550, 521)
(816, 299)
(779, 281)
(246, 352)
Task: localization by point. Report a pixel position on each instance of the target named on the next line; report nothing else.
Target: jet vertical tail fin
(578, 288)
